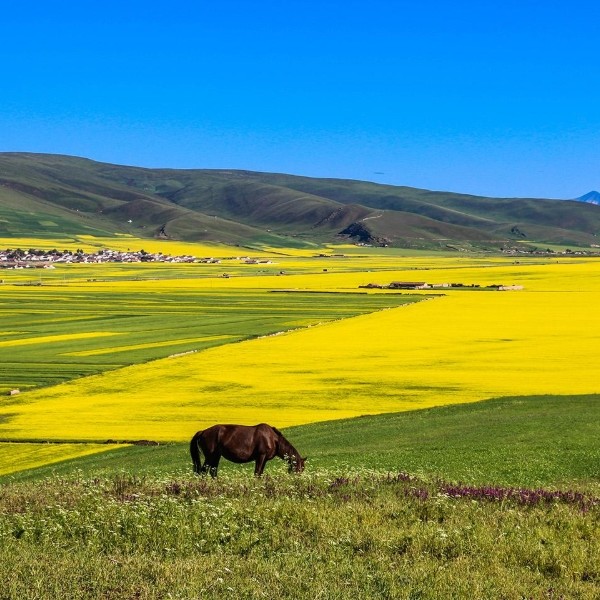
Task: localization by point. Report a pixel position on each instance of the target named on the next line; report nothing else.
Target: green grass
(174, 321)
(319, 535)
(524, 441)
(537, 440)
(375, 514)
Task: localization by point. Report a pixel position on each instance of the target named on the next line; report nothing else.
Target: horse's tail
(195, 452)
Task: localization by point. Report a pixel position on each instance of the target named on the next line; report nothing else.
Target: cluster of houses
(32, 258)
(549, 251)
(46, 259)
(255, 261)
(423, 285)
(247, 260)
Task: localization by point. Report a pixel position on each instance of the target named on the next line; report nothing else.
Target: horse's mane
(284, 446)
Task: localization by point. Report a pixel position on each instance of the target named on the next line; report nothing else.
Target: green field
(524, 441)
(53, 333)
(439, 503)
(493, 499)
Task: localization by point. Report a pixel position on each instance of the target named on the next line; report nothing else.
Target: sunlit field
(458, 346)
(50, 334)
(22, 456)
(89, 243)
(462, 499)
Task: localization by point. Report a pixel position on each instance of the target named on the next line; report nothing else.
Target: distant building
(371, 286)
(408, 285)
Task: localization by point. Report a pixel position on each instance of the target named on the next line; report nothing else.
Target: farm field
(475, 473)
(463, 346)
(435, 503)
(50, 334)
(157, 351)
(23, 456)
(92, 243)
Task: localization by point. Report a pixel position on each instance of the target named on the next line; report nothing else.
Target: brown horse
(242, 444)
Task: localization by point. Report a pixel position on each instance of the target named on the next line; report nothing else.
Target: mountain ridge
(592, 197)
(249, 207)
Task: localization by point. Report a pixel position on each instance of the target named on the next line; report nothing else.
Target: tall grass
(360, 534)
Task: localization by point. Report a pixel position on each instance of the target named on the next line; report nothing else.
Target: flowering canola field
(463, 346)
(19, 457)
(123, 242)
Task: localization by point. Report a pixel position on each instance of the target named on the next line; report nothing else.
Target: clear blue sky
(483, 97)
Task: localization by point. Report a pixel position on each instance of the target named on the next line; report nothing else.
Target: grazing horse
(242, 444)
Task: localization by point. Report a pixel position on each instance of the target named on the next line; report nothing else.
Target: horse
(242, 444)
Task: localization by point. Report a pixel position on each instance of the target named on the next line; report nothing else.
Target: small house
(408, 285)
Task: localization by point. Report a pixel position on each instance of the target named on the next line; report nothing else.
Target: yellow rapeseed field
(22, 456)
(30, 341)
(90, 243)
(464, 346)
(114, 349)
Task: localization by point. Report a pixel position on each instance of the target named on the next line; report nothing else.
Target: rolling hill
(51, 195)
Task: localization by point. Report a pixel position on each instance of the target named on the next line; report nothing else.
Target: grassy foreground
(358, 534)
(498, 499)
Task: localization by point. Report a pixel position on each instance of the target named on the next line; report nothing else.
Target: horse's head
(296, 464)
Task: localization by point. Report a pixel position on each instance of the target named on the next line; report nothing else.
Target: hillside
(493, 442)
(53, 195)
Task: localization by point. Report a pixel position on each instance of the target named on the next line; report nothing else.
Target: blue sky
(481, 97)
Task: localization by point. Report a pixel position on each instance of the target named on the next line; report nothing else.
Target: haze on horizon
(461, 96)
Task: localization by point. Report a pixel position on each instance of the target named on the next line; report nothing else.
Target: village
(46, 259)
(422, 285)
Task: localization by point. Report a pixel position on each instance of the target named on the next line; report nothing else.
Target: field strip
(90, 243)
(66, 337)
(539, 276)
(114, 349)
(462, 347)
(15, 457)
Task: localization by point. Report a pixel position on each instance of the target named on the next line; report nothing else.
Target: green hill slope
(522, 441)
(51, 194)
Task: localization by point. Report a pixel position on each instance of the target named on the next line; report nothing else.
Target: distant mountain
(592, 197)
(54, 195)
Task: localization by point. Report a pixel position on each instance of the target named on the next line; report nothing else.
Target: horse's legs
(260, 465)
(214, 464)
(197, 454)
(203, 468)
